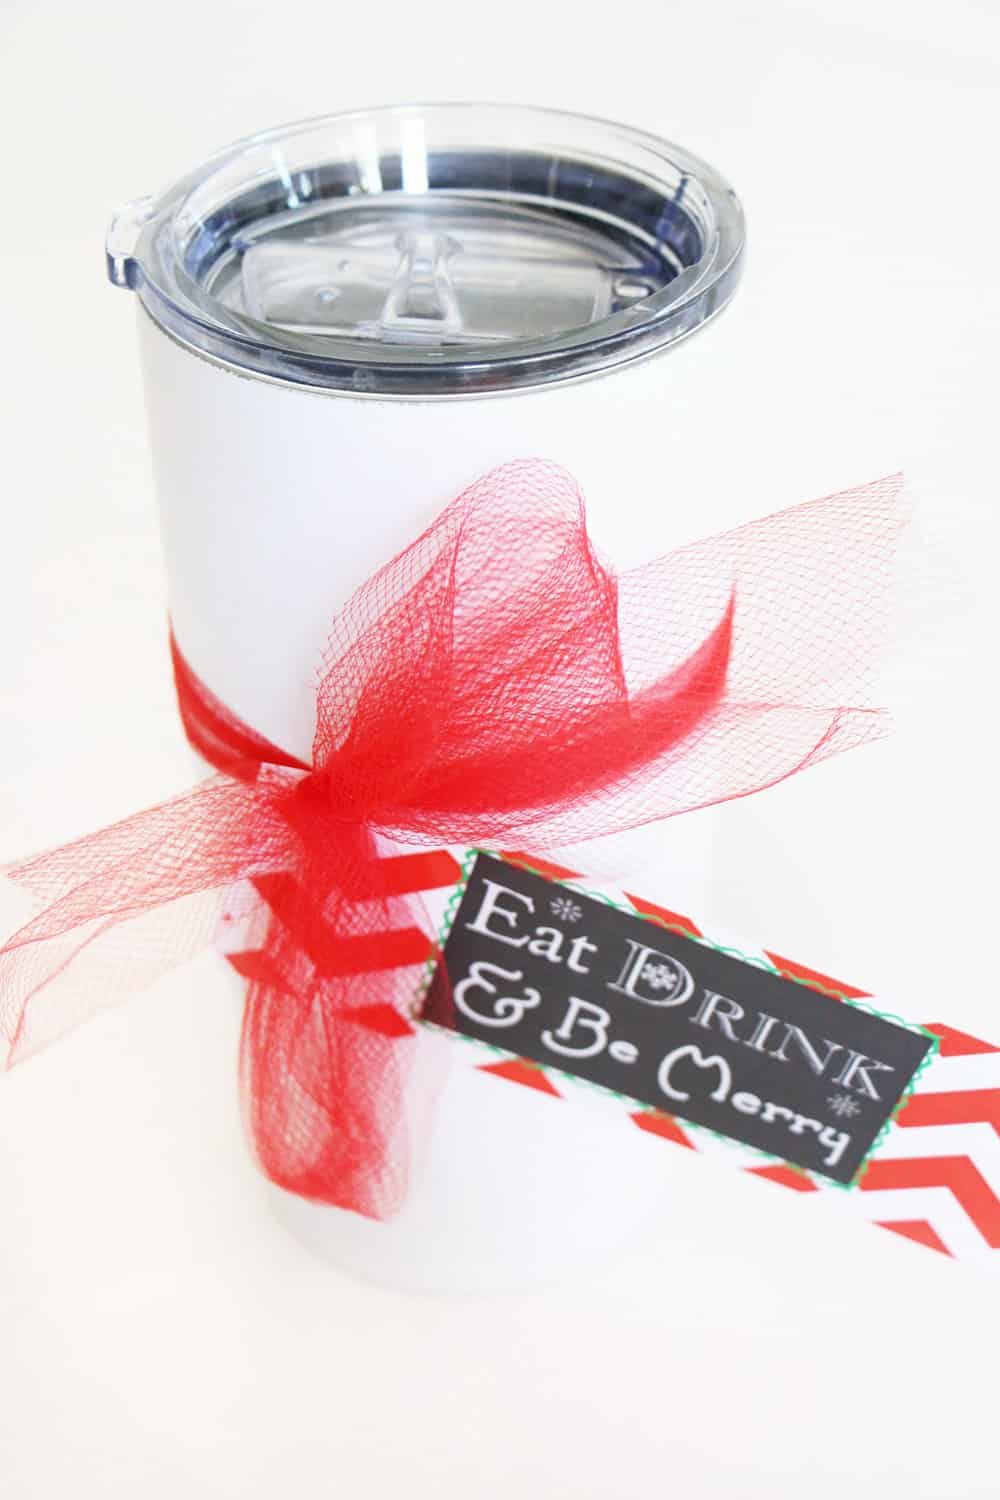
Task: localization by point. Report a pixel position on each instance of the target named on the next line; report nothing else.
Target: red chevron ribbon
(494, 681)
(952, 1179)
(958, 1174)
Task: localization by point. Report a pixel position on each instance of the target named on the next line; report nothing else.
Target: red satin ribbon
(495, 684)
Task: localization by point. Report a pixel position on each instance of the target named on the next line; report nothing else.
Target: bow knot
(494, 683)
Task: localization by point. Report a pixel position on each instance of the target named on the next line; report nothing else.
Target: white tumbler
(343, 323)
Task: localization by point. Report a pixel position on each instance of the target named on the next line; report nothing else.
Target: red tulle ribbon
(495, 684)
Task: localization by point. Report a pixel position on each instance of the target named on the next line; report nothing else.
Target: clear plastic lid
(432, 250)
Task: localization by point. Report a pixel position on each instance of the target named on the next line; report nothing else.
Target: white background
(159, 1336)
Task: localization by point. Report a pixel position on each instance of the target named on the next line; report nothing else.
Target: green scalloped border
(578, 883)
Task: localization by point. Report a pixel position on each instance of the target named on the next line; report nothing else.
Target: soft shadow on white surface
(161, 1334)
(176, 1336)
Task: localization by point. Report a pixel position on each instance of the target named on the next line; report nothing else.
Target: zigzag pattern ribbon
(936, 1177)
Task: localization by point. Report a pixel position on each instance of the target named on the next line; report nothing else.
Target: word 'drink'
(552, 974)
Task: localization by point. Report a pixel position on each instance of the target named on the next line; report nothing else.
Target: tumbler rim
(582, 199)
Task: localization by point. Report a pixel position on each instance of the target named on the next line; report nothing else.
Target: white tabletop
(159, 1333)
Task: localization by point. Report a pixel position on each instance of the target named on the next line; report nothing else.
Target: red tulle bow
(494, 684)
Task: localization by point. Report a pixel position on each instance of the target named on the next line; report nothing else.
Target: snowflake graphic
(659, 976)
(844, 1106)
(565, 909)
